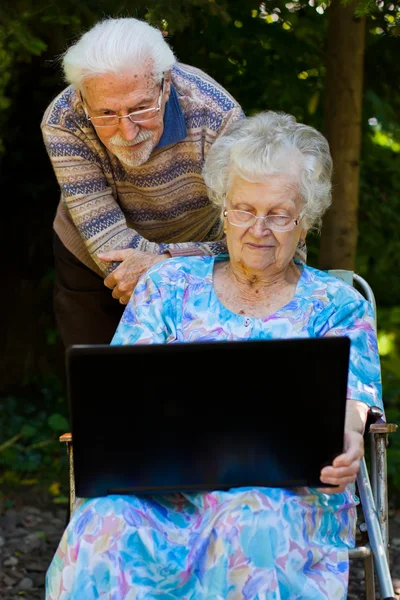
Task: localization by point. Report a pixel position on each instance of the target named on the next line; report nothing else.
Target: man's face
(132, 143)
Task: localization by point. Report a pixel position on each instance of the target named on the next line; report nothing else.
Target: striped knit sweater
(161, 205)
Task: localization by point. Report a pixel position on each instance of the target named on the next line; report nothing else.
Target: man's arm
(86, 193)
(94, 210)
(124, 278)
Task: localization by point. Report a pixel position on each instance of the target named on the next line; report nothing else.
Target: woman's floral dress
(245, 543)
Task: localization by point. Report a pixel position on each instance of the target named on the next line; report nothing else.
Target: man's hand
(345, 466)
(124, 278)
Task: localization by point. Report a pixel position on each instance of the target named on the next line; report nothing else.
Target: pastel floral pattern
(175, 302)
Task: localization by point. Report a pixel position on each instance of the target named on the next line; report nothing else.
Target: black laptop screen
(217, 415)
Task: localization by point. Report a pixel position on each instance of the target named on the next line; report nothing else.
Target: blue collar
(174, 122)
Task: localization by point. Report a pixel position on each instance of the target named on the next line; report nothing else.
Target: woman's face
(256, 248)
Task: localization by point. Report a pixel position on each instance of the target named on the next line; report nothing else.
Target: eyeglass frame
(128, 116)
(295, 220)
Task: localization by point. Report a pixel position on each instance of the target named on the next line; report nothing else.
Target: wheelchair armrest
(376, 424)
(383, 428)
(65, 437)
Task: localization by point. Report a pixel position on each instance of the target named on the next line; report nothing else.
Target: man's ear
(167, 83)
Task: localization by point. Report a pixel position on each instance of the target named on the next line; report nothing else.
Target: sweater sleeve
(80, 165)
(87, 194)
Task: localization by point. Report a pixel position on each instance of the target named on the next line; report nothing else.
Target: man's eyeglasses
(137, 116)
(243, 218)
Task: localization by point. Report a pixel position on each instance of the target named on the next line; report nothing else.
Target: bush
(30, 453)
(389, 348)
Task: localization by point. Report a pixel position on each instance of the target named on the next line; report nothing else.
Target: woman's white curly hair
(272, 143)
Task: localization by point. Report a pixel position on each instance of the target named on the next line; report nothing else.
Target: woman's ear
(303, 235)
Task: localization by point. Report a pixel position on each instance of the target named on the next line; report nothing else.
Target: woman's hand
(345, 466)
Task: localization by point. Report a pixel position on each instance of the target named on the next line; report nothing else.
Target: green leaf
(28, 430)
(58, 422)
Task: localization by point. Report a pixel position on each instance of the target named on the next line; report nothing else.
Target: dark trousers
(85, 311)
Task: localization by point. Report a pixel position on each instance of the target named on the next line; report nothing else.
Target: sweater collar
(174, 122)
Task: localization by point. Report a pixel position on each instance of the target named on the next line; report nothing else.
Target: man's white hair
(117, 46)
(273, 143)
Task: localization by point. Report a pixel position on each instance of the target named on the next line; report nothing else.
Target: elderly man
(127, 140)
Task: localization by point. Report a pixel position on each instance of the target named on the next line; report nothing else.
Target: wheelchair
(372, 491)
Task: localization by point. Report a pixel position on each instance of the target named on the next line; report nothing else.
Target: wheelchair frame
(373, 496)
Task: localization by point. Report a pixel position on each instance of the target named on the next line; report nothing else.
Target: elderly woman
(270, 176)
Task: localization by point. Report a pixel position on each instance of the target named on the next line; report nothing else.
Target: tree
(343, 116)
(277, 62)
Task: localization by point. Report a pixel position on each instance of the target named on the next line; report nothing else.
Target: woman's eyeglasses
(243, 218)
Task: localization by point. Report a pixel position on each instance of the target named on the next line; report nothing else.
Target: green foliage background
(268, 57)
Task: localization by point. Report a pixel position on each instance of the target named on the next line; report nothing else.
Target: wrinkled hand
(345, 466)
(134, 263)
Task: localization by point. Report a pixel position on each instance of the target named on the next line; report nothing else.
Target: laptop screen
(206, 415)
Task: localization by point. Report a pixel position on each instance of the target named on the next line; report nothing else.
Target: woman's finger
(343, 480)
(341, 471)
(340, 480)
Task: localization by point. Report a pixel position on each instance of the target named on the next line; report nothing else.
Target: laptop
(206, 415)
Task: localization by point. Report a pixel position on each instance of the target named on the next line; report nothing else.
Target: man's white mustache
(142, 136)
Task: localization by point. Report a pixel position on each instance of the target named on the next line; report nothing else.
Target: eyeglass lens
(135, 117)
(243, 218)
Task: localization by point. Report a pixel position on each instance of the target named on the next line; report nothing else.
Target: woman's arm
(353, 317)
(345, 466)
(356, 416)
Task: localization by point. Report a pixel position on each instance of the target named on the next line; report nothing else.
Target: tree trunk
(343, 113)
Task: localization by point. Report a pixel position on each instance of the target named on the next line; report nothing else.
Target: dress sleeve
(356, 320)
(149, 315)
